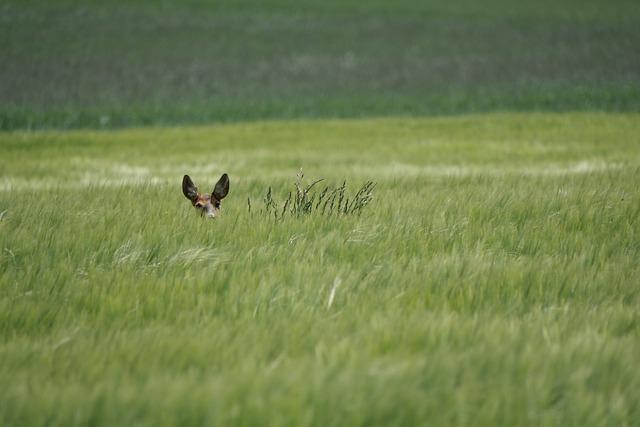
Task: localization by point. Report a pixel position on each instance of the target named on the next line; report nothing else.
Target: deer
(207, 205)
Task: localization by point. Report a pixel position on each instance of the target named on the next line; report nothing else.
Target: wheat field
(491, 280)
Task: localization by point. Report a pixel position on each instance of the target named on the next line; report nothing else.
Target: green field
(492, 281)
(109, 63)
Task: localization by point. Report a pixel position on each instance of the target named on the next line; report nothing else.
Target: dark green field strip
(454, 101)
(108, 64)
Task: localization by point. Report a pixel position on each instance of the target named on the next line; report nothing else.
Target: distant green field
(492, 281)
(69, 64)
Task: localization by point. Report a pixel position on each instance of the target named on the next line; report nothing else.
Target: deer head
(208, 205)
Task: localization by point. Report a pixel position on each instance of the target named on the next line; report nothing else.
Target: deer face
(208, 205)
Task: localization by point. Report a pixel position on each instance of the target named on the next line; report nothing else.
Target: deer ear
(222, 188)
(189, 189)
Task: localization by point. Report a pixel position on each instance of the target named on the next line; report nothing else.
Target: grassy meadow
(493, 280)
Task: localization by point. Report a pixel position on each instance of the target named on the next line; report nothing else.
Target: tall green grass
(493, 279)
(307, 199)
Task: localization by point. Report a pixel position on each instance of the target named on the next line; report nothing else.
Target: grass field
(109, 63)
(492, 281)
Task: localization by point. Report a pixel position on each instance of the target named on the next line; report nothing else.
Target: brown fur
(207, 204)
